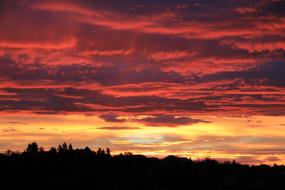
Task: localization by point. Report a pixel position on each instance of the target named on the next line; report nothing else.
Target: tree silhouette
(100, 152)
(62, 148)
(52, 150)
(32, 148)
(108, 152)
(84, 168)
(70, 148)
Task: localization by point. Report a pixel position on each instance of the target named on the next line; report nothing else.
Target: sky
(189, 78)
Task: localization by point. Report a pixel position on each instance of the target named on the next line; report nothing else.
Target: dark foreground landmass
(67, 168)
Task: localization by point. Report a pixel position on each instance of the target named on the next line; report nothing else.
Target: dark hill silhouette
(65, 167)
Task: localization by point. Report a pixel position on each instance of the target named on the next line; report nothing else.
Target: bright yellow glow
(224, 138)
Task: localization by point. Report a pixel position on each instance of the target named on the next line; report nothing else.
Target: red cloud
(124, 59)
(160, 56)
(245, 10)
(65, 7)
(107, 53)
(157, 23)
(69, 43)
(259, 46)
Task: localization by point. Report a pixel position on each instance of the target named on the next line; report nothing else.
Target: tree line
(66, 167)
(33, 148)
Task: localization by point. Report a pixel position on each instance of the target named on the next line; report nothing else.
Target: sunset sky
(194, 78)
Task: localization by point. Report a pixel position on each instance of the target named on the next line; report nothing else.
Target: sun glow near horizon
(225, 138)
